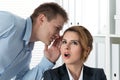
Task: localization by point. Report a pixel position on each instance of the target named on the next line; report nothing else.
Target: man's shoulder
(6, 18)
(5, 14)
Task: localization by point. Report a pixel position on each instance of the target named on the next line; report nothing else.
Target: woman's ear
(88, 51)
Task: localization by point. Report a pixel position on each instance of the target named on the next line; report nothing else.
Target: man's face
(51, 29)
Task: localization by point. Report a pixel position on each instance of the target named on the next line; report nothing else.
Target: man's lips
(51, 39)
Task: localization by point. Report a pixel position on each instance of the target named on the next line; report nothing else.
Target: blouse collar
(80, 76)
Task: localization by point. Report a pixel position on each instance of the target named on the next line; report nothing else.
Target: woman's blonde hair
(85, 39)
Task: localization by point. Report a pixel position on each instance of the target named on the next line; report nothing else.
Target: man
(17, 37)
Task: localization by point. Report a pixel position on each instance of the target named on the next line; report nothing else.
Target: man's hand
(53, 52)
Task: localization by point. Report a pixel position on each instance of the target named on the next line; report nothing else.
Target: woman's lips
(66, 55)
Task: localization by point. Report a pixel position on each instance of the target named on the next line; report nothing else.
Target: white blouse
(80, 76)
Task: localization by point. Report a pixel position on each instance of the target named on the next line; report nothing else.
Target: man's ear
(41, 18)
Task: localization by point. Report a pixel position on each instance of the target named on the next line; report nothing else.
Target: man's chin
(48, 43)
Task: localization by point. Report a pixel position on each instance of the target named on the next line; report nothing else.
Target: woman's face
(70, 48)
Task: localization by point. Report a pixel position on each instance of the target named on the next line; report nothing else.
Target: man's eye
(57, 29)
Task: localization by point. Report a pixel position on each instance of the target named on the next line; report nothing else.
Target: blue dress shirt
(15, 49)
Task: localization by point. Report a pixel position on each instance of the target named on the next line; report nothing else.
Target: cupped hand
(53, 52)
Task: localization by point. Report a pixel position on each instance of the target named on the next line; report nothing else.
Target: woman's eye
(64, 42)
(74, 42)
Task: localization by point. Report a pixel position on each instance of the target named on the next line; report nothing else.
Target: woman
(75, 48)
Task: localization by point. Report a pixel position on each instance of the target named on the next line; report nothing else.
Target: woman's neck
(75, 70)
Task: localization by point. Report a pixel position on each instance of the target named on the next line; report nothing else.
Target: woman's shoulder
(92, 69)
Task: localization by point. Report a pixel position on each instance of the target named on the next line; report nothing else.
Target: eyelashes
(72, 42)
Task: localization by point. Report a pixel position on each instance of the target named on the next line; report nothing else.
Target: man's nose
(57, 35)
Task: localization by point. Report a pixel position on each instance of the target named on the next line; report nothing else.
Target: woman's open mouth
(66, 55)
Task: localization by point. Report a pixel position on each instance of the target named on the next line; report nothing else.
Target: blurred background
(100, 17)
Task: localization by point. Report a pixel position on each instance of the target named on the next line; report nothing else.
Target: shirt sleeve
(37, 72)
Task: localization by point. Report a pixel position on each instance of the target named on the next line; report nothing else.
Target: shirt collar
(80, 77)
(28, 30)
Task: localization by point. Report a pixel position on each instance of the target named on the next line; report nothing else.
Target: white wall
(94, 14)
